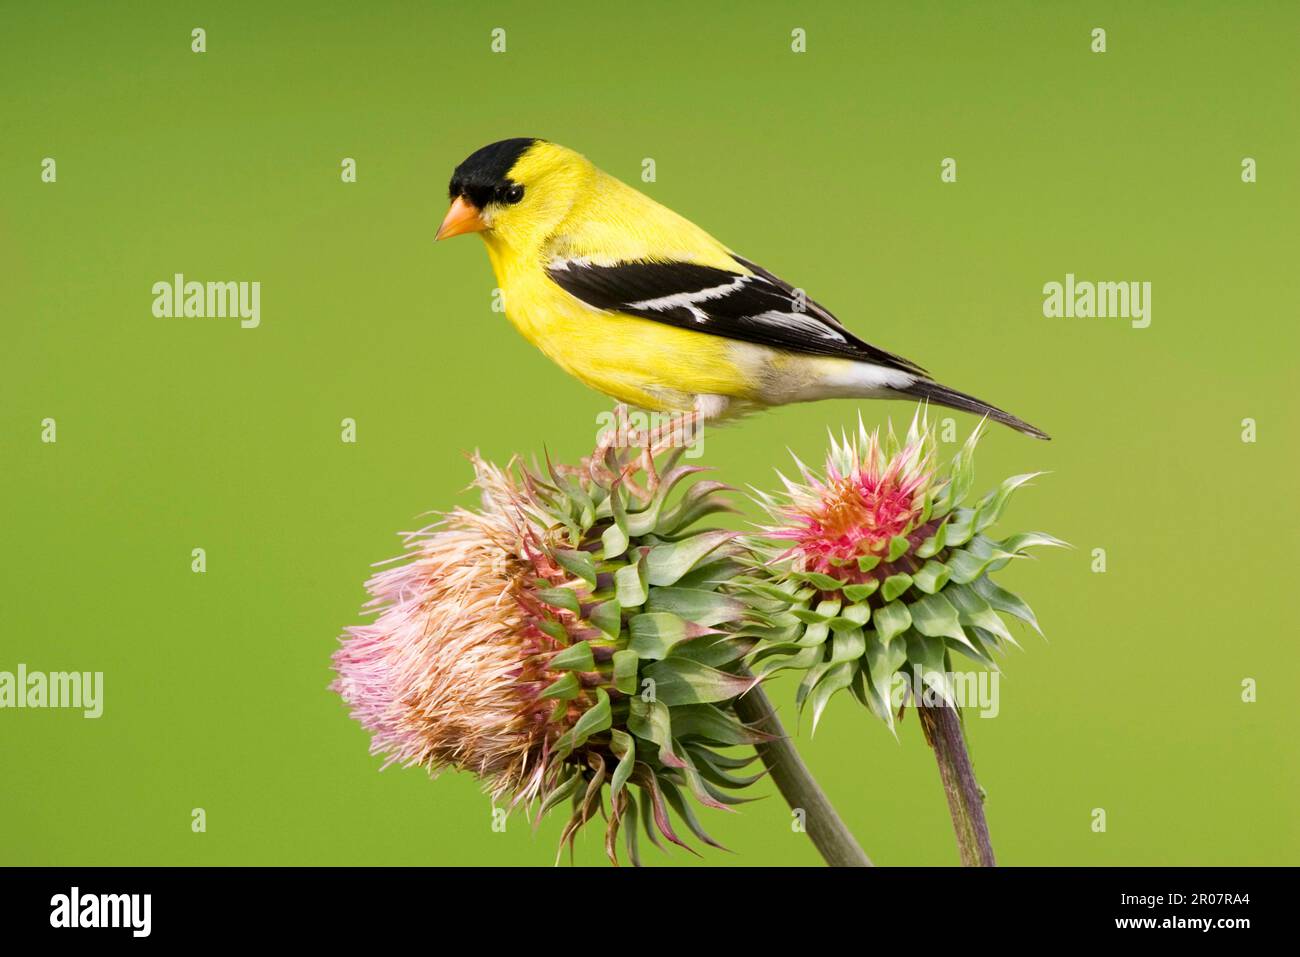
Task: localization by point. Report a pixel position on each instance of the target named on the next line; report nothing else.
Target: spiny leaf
(991, 506)
(560, 793)
(987, 642)
(963, 467)
(651, 720)
(935, 543)
(647, 813)
(624, 748)
(935, 617)
(926, 656)
(844, 623)
(931, 577)
(836, 679)
(598, 717)
(815, 634)
(818, 580)
(1025, 540)
(626, 663)
(574, 658)
(630, 584)
(859, 614)
(616, 538)
(861, 592)
(809, 617)
(773, 591)
(668, 562)
(723, 796)
(966, 566)
(883, 662)
(700, 606)
(848, 646)
(654, 634)
(578, 564)
(711, 723)
(895, 585)
(713, 767)
(646, 520)
(829, 608)
(810, 679)
(975, 610)
(555, 629)
(629, 831)
(683, 681)
(711, 572)
(1003, 600)
(662, 821)
(891, 620)
(565, 598)
(731, 762)
(564, 688)
(700, 500)
(978, 646)
(804, 659)
(614, 541)
(716, 651)
(684, 811)
(608, 617)
(960, 528)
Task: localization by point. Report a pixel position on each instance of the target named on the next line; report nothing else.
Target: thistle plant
(569, 641)
(872, 574)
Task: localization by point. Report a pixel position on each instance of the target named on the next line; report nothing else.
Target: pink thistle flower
(538, 642)
(876, 568)
(869, 496)
(449, 673)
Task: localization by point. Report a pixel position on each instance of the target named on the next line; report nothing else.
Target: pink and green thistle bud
(875, 568)
(566, 641)
(850, 517)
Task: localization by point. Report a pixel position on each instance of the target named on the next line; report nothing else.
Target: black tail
(942, 395)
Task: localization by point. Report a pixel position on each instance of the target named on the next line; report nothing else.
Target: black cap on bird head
(484, 175)
(482, 178)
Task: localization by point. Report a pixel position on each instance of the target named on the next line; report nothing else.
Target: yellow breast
(633, 360)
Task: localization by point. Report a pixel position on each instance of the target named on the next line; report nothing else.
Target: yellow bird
(646, 307)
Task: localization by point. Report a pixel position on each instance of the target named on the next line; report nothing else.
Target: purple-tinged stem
(942, 727)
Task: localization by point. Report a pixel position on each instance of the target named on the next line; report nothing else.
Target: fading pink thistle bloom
(449, 673)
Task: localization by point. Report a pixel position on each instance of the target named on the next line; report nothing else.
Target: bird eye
(514, 194)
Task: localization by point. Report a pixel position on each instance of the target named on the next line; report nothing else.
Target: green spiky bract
(894, 594)
(643, 658)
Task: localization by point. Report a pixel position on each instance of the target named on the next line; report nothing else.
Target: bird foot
(652, 444)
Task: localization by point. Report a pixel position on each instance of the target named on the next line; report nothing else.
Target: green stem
(942, 727)
(829, 835)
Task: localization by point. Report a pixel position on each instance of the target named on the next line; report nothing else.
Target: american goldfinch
(643, 305)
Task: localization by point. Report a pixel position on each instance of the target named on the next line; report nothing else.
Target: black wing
(758, 308)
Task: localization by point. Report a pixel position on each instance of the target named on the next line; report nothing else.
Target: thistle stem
(801, 791)
(942, 727)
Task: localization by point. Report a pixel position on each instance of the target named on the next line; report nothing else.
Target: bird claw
(653, 444)
(643, 462)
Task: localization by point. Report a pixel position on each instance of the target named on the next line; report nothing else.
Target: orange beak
(461, 218)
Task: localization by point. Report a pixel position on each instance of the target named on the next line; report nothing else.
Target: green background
(823, 166)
